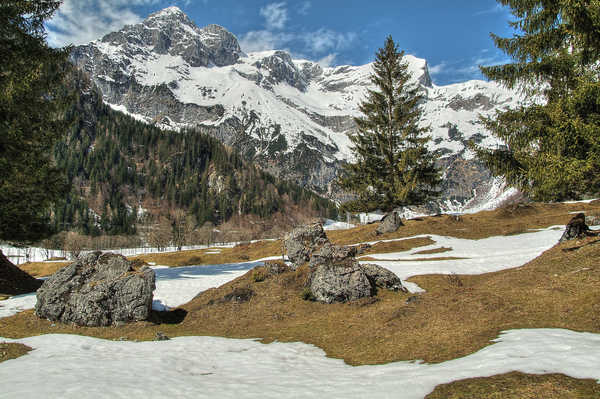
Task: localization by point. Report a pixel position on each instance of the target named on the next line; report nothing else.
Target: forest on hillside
(122, 170)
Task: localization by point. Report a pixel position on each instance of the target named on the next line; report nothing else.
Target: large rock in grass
(576, 228)
(389, 224)
(336, 276)
(97, 290)
(301, 242)
(14, 281)
(380, 277)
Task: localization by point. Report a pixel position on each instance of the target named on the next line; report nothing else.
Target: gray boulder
(97, 290)
(381, 277)
(338, 277)
(301, 242)
(275, 267)
(390, 223)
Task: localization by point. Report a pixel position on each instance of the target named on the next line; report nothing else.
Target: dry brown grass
(433, 251)
(239, 253)
(438, 258)
(519, 386)
(12, 351)
(560, 289)
(399, 246)
(512, 219)
(42, 269)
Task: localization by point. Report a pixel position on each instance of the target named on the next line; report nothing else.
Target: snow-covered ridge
(166, 66)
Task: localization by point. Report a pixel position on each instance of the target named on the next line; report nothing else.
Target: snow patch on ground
(205, 367)
(482, 256)
(178, 285)
(334, 225)
(71, 366)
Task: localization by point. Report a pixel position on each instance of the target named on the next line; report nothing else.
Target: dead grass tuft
(433, 251)
(12, 350)
(517, 385)
(398, 246)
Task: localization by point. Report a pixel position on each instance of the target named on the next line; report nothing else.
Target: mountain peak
(170, 16)
(173, 10)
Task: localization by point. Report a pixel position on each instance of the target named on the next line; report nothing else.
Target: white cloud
(304, 7)
(313, 44)
(264, 40)
(466, 69)
(327, 61)
(324, 40)
(438, 69)
(81, 21)
(275, 15)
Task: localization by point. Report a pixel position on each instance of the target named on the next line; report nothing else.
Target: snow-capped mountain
(290, 116)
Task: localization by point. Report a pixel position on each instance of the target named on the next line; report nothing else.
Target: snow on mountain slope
(290, 116)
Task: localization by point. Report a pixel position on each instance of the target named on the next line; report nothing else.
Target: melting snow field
(481, 256)
(69, 366)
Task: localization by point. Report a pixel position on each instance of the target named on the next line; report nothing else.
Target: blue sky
(453, 36)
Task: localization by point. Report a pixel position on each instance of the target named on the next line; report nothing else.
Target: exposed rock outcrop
(97, 290)
(381, 277)
(390, 223)
(338, 280)
(14, 281)
(275, 267)
(335, 273)
(301, 242)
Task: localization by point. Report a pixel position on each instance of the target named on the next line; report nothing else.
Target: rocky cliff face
(290, 116)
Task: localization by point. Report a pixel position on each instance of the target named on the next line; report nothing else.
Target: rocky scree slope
(291, 116)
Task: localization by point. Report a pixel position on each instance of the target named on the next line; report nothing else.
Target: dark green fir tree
(552, 144)
(31, 112)
(393, 166)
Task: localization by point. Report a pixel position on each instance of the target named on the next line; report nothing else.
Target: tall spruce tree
(31, 119)
(393, 166)
(552, 149)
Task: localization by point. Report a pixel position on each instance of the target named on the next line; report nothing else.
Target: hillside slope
(124, 170)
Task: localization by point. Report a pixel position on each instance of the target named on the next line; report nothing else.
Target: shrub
(307, 295)
(259, 274)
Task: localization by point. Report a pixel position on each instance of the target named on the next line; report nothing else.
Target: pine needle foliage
(393, 165)
(30, 119)
(552, 149)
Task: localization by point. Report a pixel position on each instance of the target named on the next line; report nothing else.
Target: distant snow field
(480, 256)
(70, 366)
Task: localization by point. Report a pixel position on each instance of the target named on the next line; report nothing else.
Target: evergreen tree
(552, 149)
(393, 165)
(31, 121)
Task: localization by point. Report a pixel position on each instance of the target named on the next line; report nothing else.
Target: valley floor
(542, 318)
